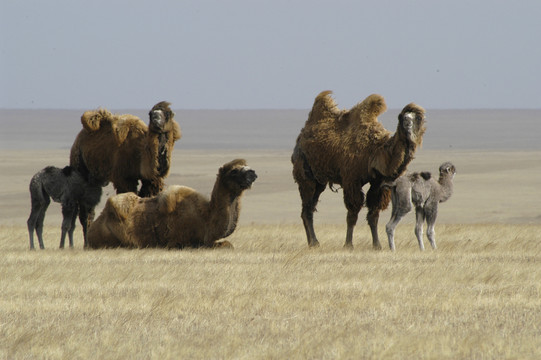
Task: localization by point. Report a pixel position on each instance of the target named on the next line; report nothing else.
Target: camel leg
(40, 202)
(86, 216)
(391, 226)
(372, 218)
(69, 211)
(72, 228)
(310, 192)
(401, 206)
(32, 223)
(430, 223)
(377, 199)
(353, 199)
(41, 220)
(420, 218)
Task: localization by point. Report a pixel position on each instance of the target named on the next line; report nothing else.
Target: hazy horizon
(278, 129)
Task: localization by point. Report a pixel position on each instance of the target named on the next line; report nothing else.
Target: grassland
(478, 297)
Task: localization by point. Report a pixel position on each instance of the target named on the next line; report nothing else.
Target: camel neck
(223, 211)
(401, 151)
(446, 186)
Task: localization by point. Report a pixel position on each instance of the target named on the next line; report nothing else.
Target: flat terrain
(490, 186)
(478, 296)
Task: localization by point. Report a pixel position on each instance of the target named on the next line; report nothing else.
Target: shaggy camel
(176, 218)
(65, 186)
(123, 150)
(351, 148)
(423, 192)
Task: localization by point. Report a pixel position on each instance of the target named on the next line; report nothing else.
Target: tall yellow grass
(478, 296)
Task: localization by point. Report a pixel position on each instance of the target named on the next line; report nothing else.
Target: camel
(351, 148)
(65, 186)
(423, 192)
(178, 217)
(123, 150)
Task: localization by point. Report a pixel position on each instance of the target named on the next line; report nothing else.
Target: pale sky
(277, 54)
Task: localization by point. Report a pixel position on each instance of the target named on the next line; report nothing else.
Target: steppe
(477, 296)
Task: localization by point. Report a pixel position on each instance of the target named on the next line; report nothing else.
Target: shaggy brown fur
(351, 148)
(176, 218)
(123, 150)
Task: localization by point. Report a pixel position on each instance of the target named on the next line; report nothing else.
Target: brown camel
(123, 150)
(176, 218)
(351, 148)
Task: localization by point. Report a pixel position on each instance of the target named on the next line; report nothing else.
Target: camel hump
(324, 106)
(92, 119)
(168, 199)
(121, 125)
(373, 106)
(126, 124)
(426, 175)
(67, 170)
(121, 205)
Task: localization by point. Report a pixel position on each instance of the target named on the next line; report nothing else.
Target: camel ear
(221, 171)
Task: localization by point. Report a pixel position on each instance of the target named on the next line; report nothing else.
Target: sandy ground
(490, 186)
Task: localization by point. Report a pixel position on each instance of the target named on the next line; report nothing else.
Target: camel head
(411, 122)
(447, 169)
(236, 176)
(160, 117)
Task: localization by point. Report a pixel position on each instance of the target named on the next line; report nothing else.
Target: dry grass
(477, 296)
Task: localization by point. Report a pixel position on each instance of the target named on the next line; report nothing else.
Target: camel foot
(313, 244)
(223, 245)
(348, 246)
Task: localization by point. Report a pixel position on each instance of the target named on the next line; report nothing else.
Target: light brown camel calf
(422, 191)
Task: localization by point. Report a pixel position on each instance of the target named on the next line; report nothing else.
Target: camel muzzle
(249, 177)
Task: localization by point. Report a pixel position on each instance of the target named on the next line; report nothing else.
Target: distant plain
(477, 296)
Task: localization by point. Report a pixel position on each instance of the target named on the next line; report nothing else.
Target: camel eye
(234, 172)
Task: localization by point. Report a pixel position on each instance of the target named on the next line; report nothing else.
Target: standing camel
(351, 148)
(123, 149)
(65, 186)
(423, 192)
